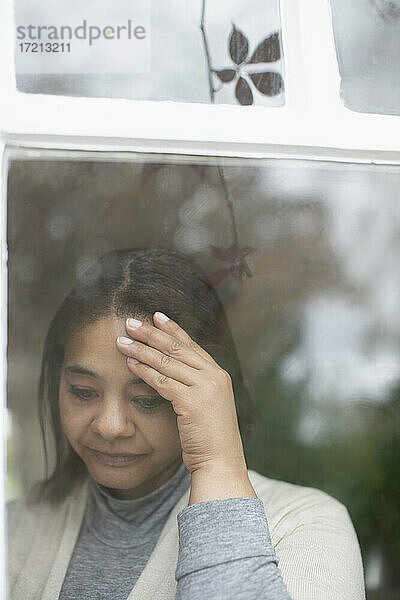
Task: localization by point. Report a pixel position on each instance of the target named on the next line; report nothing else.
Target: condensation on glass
(367, 36)
(220, 52)
(311, 291)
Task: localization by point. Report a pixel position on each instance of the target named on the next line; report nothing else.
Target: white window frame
(313, 123)
(313, 117)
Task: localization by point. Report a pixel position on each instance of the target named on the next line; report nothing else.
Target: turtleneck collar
(111, 519)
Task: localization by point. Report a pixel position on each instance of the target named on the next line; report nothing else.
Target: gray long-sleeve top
(225, 550)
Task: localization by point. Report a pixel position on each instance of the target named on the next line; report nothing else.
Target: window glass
(367, 35)
(304, 257)
(221, 52)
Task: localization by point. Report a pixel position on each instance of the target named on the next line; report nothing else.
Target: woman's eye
(148, 402)
(82, 393)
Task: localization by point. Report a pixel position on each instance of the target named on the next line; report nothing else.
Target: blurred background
(316, 319)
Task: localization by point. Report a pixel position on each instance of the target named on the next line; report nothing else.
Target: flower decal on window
(234, 256)
(269, 83)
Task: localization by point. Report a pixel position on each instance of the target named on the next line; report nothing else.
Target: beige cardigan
(318, 551)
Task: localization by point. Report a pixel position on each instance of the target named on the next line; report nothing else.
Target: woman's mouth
(115, 459)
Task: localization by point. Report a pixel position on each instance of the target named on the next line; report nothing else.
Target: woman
(150, 496)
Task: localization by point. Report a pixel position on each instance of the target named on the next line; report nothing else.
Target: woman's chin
(116, 479)
(119, 475)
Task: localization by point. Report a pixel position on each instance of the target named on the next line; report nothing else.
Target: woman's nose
(114, 420)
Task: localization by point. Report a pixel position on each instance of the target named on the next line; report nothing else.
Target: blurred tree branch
(239, 263)
(388, 10)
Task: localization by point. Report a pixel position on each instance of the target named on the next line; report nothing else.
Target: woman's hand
(201, 394)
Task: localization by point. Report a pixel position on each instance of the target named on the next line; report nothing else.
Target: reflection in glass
(367, 35)
(304, 256)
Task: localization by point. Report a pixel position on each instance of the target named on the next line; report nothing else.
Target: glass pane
(304, 258)
(367, 34)
(223, 52)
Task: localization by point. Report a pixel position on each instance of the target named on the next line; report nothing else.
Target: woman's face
(105, 409)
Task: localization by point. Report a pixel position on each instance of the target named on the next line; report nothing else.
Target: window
(367, 40)
(226, 52)
(309, 188)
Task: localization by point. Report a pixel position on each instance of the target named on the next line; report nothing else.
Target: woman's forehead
(98, 332)
(103, 328)
(85, 371)
(92, 351)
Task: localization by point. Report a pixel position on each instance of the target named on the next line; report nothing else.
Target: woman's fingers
(163, 363)
(165, 342)
(168, 388)
(172, 327)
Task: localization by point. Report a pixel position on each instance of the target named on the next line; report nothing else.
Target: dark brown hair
(133, 282)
